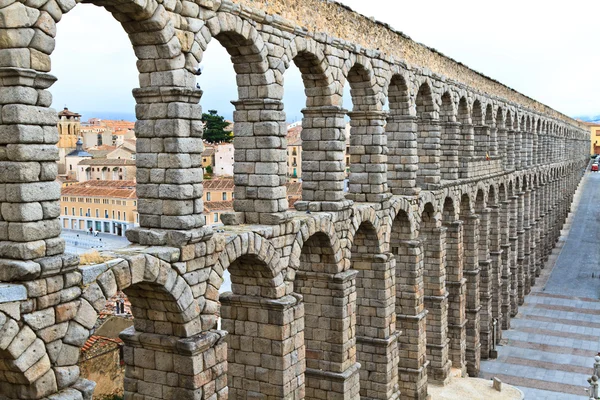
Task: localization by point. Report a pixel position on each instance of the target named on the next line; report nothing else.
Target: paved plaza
(80, 242)
(548, 352)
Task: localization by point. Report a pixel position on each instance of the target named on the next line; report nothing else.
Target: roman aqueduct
(456, 197)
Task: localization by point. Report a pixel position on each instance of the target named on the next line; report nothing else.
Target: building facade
(103, 206)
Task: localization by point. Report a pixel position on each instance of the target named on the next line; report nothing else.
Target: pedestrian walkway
(549, 351)
(80, 242)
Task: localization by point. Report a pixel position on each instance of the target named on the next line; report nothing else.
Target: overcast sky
(547, 50)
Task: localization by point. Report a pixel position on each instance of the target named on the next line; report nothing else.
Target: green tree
(215, 128)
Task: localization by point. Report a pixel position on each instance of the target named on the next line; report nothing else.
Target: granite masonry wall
(456, 197)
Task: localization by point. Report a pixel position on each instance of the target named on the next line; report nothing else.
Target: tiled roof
(218, 206)
(108, 161)
(67, 113)
(97, 188)
(294, 188)
(208, 151)
(218, 184)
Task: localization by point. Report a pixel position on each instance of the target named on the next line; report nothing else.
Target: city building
(208, 156)
(106, 169)
(218, 189)
(594, 137)
(73, 159)
(223, 165)
(107, 206)
(69, 129)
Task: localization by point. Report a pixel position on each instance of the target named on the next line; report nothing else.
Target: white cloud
(544, 49)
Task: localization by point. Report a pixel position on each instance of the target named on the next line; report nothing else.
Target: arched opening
(410, 308)
(368, 164)
(428, 139)
(471, 273)
(450, 139)
(318, 144)
(264, 331)
(455, 284)
(482, 132)
(330, 312)
(492, 142)
(433, 239)
(376, 345)
(400, 131)
(509, 148)
(467, 138)
(485, 268)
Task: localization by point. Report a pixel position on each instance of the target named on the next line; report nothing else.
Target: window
(97, 213)
(81, 212)
(66, 209)
(119, 215)
(224, 196)
(73, 211)
(105, 213)
(124, 216)
(216, 217)
(70, 167)
(208, 196)
(89, 213)
(113, 214)
(134, 203)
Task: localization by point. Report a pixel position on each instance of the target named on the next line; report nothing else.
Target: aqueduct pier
(456, 197)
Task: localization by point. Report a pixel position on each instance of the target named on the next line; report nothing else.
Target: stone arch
(259, 312)
(433, 238)
(368, 217)
(375, 315)
(320, 87)
(455, 283)
(358, 73)
(254, 265)
(428, 137)
(248, 54)
(450, 138)
(398, 94)
(313, 233)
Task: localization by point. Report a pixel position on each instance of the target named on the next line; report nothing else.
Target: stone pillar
(169, 164)
(503, 146)
(167, 367)
(266, 351)
(331, 367)
(467, 149)
(449, 161)
(527, 240)
(473, 307)
(403, 161)
(456, 285)
(522, 245)
(428, 149)
(524, 149)
(535, 147)
(376, 334)
(482, 140)
(368, 157)
(436, 303)
(260, 162)
(507, 259)
(519, 151)
(496, 273)
(323, 152)
(411, 315)
(485, 283)
(510, 149)
(493, 143)
(29, 194)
